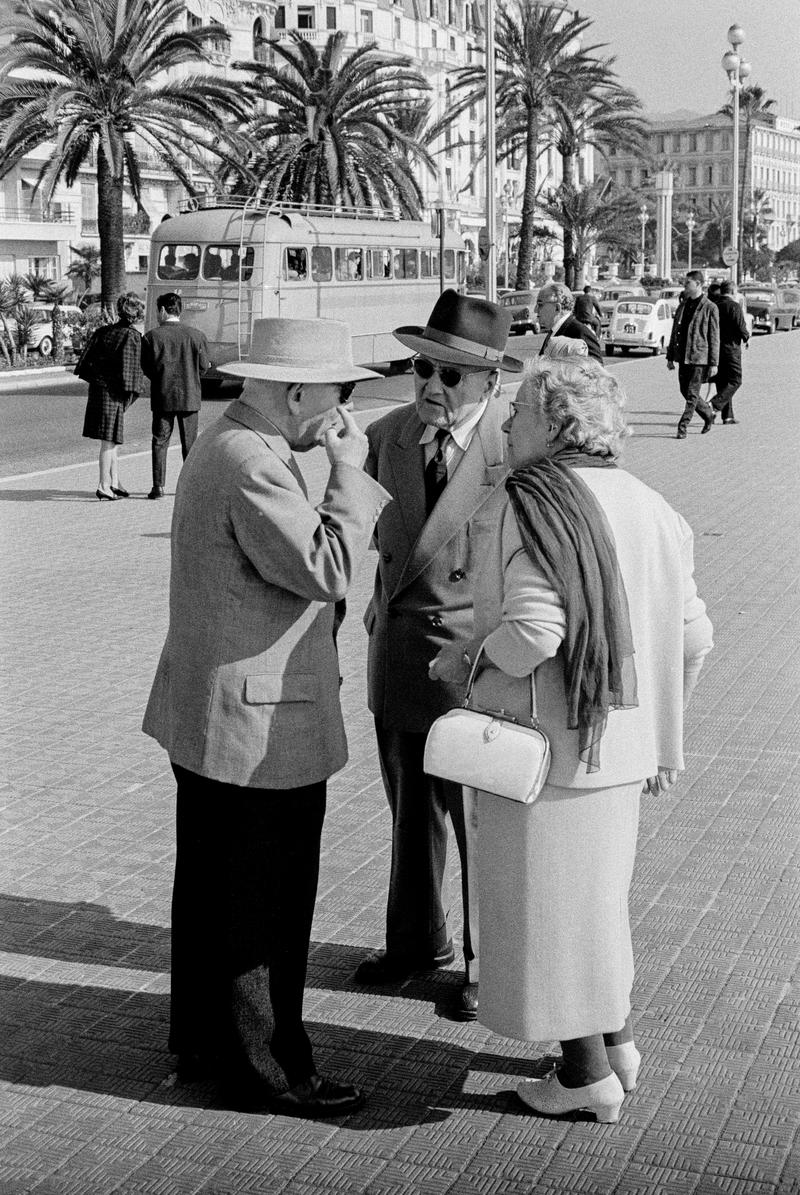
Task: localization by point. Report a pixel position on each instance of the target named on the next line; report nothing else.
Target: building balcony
(18, 224)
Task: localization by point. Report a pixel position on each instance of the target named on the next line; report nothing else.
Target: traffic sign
(730, 255)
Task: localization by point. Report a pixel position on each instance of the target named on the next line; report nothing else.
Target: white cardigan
(525, 624)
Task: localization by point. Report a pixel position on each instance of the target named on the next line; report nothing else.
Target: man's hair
(170, 302)
(587, 290)
(726, 288)
(695, 275)
(563, 296)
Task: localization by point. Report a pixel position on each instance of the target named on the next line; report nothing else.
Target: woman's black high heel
(106, 497)
(118, 490)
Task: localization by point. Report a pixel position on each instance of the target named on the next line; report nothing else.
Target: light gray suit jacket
(247, 688)
(426, 567)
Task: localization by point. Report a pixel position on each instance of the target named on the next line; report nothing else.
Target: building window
(433, 39)
(330, 17)
(398, 28)
(693, 143)
(432, 9)
(725, 141)
(448, 180)
(691, 175)
(676, 143)
(259, 40)
(305, 18)
(280, 16)
(710, 143)
(192, 21)
(143, 261)
(451, 15)
(366, 20)
(628, 178)
(46, 266)
(453, 44)
(709, 176)
(661, 144)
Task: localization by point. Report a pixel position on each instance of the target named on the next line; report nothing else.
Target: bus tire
(609, 350)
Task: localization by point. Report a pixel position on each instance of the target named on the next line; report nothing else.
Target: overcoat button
(457, 574)
(436, 620)
(387, 556)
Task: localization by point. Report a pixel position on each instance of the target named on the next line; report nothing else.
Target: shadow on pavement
(49, 496)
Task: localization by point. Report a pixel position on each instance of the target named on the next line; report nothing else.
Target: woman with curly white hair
(588, 589)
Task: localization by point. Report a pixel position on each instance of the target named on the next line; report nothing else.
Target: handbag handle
(500, 713)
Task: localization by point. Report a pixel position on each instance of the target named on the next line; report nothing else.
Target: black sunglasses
(451, 377)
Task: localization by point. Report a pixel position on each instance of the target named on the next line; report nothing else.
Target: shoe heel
(627, 1078)
(607, 1113)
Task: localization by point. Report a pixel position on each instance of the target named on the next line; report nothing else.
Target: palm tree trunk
(525, 257)
(109, 227)
(568, 180)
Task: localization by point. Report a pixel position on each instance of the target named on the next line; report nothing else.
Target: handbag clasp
(492, 730)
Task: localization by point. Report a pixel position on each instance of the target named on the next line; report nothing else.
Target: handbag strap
(471, 681)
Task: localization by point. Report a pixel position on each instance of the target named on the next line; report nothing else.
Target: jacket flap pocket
(270, 688)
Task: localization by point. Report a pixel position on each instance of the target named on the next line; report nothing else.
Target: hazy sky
(669, 51)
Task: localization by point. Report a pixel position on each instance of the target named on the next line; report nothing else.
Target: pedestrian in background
(442, 460)
(173, 357)
(554, 308)
(588, 310)
(694, 348)
(246, 703)
(111, 364)
(586, 591)
(733, 334)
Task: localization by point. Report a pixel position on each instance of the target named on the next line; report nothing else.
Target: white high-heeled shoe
(604, 1098)
(625, 1061)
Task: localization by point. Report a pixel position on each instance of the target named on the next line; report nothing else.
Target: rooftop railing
(259, 205)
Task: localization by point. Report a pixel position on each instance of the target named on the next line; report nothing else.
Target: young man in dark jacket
(732, 333)
(694, 348)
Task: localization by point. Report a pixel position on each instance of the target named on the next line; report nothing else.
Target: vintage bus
(234, 260)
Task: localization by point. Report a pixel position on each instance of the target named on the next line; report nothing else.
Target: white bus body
(234, 264)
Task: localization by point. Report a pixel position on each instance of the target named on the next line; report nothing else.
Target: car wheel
(609, 350)
(46, 346)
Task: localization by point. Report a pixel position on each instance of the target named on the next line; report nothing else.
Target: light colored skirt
(553, 881)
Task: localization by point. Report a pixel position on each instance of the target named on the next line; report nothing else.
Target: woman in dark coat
(111, 364)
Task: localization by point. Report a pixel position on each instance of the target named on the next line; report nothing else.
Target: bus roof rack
(259, 205)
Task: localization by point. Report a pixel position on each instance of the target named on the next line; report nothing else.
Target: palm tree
(719, 218)
(93, 77)
(538, 53)
(87, 266)
(341, 128)
(595, 215)
(596, 111)
(754, 106)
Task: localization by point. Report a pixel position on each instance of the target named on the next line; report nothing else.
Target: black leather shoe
(681, 434)
(708, 423)
(118, 490)
(382, 967)
(466, 1006)
(105, 497)
(156, 492)
(730, 420)
(316, 1098)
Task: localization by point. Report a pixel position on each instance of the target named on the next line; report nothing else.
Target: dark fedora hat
(463, 330)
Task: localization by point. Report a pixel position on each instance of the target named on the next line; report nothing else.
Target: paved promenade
(89, 1102)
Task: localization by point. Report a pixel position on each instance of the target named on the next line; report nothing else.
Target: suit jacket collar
(480, 471)
(242, 413)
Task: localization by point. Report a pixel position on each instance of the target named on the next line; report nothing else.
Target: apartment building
(438, 35)
(699, 151)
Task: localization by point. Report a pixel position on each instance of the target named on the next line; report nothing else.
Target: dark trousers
(418, 906)
(690, 380)
(246, 874)
(728, 381)
(163, 424)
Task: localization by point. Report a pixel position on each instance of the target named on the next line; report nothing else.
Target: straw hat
(463, 330)
(299, 350)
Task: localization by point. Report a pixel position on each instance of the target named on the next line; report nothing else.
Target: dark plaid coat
(112, 365)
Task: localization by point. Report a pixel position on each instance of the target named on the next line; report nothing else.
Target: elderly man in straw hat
(246, 703)
(442, 459)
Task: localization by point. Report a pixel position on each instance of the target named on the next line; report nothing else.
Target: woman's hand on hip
(451, 665)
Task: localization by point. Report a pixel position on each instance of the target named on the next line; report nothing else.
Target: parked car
(639, 323)
(772, 308)
(619, 290)
(523, 316)
(41, 333)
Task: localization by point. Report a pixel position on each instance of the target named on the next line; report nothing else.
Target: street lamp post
(690, 227)
(737, 70)
(491, 213)
(643, 218)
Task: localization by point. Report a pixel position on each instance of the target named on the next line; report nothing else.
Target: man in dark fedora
(442, 460)
(246, 703)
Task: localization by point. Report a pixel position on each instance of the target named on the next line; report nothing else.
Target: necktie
(436, 471)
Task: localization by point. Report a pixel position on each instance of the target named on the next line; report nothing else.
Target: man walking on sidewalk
(732, 334)
(694, 348)
(246, 703)
(173, 358)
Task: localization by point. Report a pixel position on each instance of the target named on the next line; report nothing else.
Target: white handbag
(489, 749)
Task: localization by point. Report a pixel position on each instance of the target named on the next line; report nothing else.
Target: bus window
(434, 263)
(321, 263)
(425, 263)
(178, 261)
(379, 263)
(222, 262)
(295, 265)
(449, 263)
(349, 265)
(412, 268)
(399, 264)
